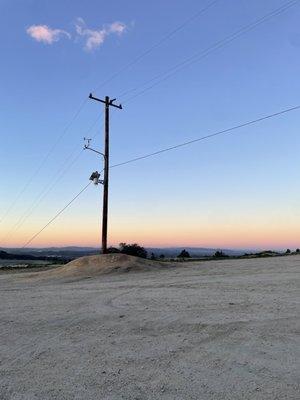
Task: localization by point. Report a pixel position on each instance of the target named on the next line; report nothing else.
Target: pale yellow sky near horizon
(182, 231)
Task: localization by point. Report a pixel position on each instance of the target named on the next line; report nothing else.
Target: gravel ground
(212, 330)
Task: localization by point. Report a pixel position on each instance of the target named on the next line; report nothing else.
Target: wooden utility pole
(107, 103)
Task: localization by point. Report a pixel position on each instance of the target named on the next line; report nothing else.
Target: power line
(134, 61)
(202, 54)
(224, 131)
(47, 188)
(157, 44)
(56, 215)
(29, 211)
(167, 74)
(173, 70)
(198, 56)
(28, 182)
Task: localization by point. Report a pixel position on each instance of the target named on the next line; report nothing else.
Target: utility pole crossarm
(110, 102)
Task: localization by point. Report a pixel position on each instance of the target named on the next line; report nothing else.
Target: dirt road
(214, 330)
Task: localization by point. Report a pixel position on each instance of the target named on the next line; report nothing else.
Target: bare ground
(212, 330)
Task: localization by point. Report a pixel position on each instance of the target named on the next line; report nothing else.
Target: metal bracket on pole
(87, 147)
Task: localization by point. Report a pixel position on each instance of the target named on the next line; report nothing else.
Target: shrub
(219, 254)
(112, 250)
(184, 254)
(133, 250)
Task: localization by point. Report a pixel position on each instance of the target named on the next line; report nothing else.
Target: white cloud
(96, 37)
(43, 33)
(117, 27)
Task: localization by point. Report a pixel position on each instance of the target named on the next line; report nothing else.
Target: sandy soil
(92, 266)
(213, 330)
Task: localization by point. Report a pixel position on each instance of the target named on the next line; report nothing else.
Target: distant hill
(8, 256)
(68, 253)
(193, 251)
(4, 255)
(71, 252)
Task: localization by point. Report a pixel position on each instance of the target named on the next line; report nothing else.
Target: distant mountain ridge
(68, 252)
(9, 256)
(77, 251)
(4, 255)
(193, 251)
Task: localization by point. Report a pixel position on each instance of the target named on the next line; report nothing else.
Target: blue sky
(236, 190)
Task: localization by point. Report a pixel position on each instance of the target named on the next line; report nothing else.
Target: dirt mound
(89, 266)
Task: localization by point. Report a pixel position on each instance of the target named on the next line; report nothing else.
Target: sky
(237, 190)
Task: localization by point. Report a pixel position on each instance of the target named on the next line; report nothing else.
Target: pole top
(107, 101)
